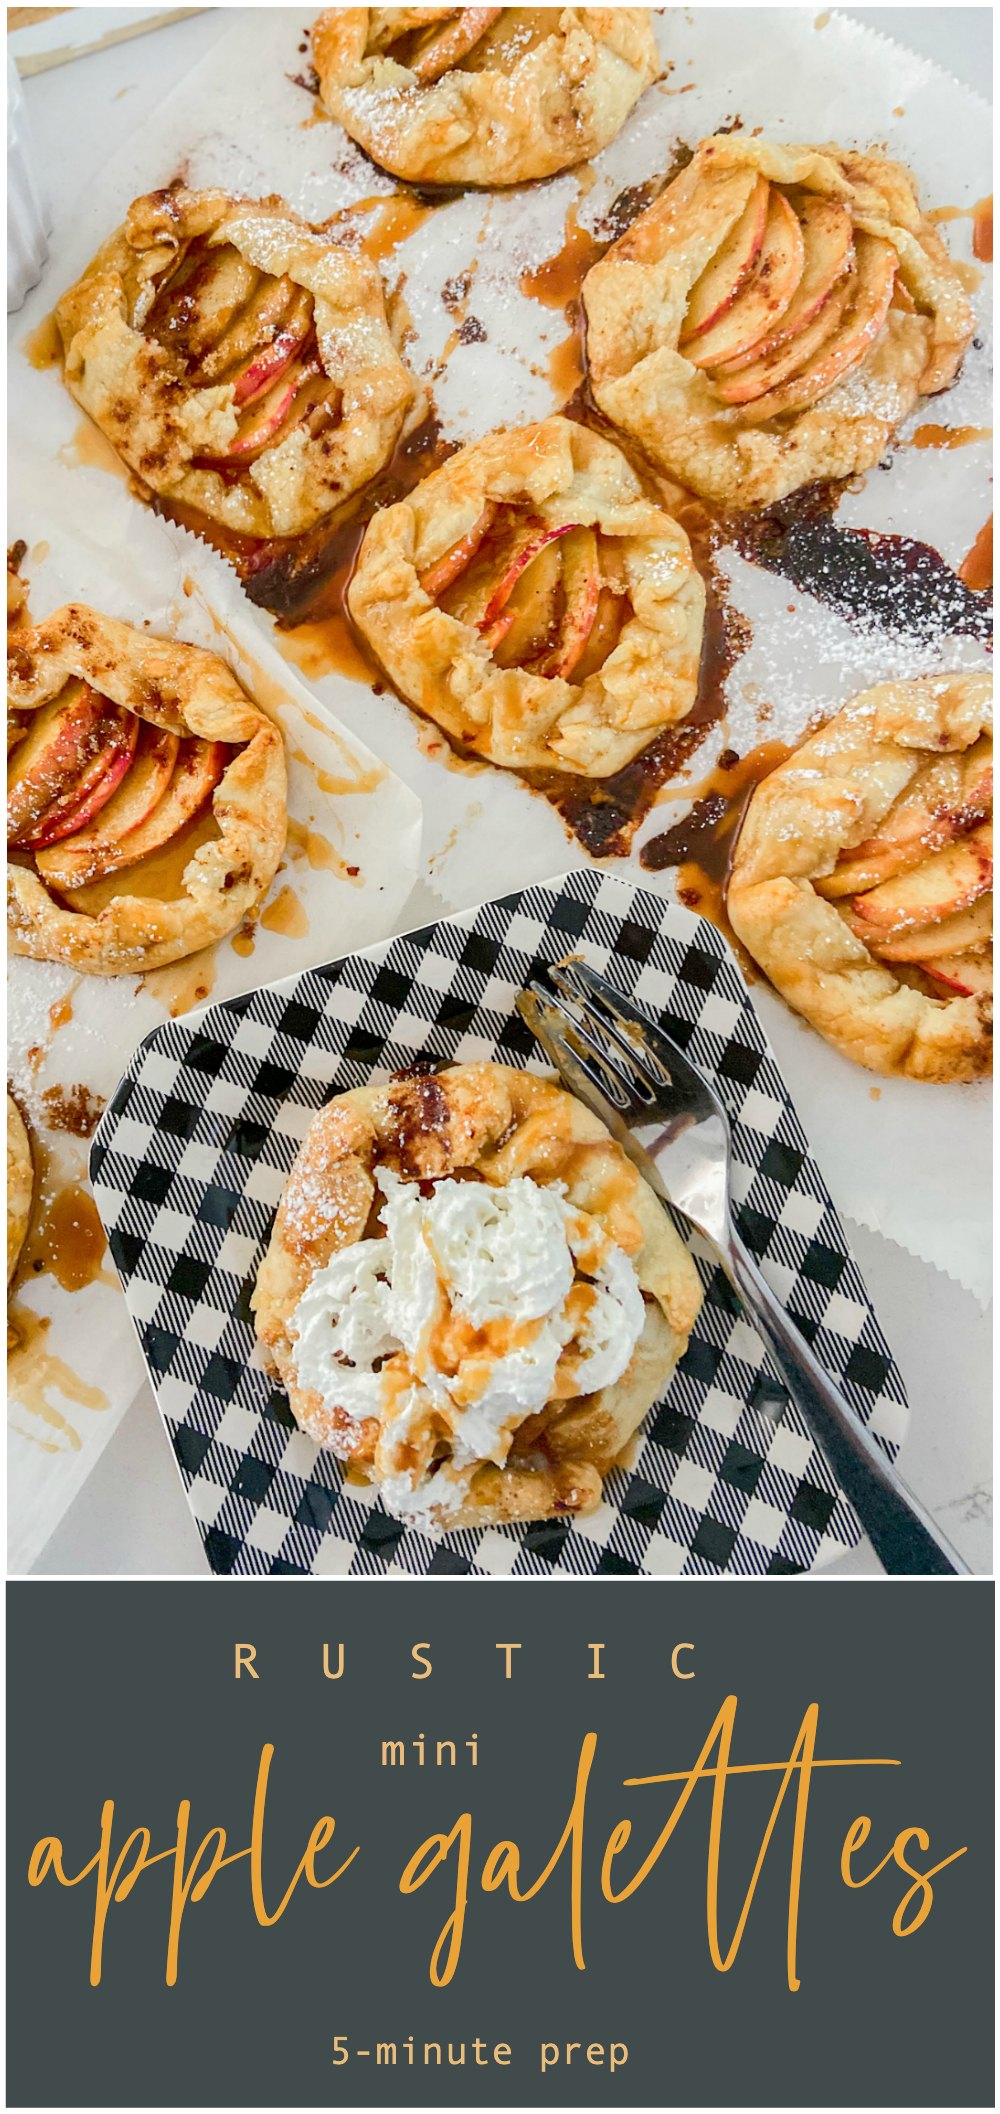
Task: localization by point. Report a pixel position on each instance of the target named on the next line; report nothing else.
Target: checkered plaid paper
(189, 1162)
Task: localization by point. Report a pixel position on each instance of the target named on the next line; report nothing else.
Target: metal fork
(671, 1122)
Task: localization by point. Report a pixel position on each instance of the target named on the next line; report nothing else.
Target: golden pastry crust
(434, 641)
(186, 692)
(20, 1185)
(877, 318)
(500, 1124)
(542, 89)
(180, 408)
(835, 856)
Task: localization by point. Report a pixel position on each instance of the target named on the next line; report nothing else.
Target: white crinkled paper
(906, 1160)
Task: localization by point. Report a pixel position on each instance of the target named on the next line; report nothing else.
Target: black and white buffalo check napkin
(189, 1162)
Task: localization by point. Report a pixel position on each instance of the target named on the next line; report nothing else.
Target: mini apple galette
(532, 600)
(863, 875)
(773, 317)
(145, 796)
(20, 1185)
(239, 362)
(482, 95)
(471, 1295)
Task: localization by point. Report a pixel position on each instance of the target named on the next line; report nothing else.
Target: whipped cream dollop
(480, 1305)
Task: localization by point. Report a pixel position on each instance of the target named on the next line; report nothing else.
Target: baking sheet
(905, 1160)
(52, 36)
(350, 863)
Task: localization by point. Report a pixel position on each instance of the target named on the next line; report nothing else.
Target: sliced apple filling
(727, 327)
(224, 322)
(482, 95)
(863, 878)
(429, 41)
(241, 364)
(532, 600)
(790, 304)
(543, 598)
(146, 796)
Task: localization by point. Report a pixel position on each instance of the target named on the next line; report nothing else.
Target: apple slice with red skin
(949, 881)
(452, 562)
(527, 626)
(527, 548)
(451, 41)
(731, 266)
(947, 798)
(610, 617)
(104, 835)
(65, 817)
(969, 975)
(297, 392)
(860, 326)
(828, 244)
(766, 295)
(260, 430)
(963, 933)
(65, 746)
(197, 770)
(265, 367)
(743, 385)
(581, 574)
(272, 305)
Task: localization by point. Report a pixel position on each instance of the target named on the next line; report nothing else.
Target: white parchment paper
(908, 1161)
(351, 861)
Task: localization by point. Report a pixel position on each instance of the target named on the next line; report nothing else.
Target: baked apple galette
(863, 875)
(239, 362)
(773, 317)
(482, 95)
(532, 600)
(145, 796)
(471, 1295)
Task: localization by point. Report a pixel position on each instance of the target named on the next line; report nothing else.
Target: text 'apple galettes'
(482, 95)
(471, 1295)
(532, 600)
(241, 364)
(773, 317)
(146, 811)
(863, 876)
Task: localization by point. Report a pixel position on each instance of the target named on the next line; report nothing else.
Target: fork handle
(903, 1535)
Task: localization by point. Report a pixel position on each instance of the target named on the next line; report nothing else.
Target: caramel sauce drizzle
(318, 852)
(68, 1241)
(981, 216)
(43, 346)
(180, 985)
(949, 436)
(35, 1375)
(557, 282)
(65, 1239)
(701, 846)
(285, 915)
(982, 230)
(977, 568)
(393, 219)
(89, 449)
